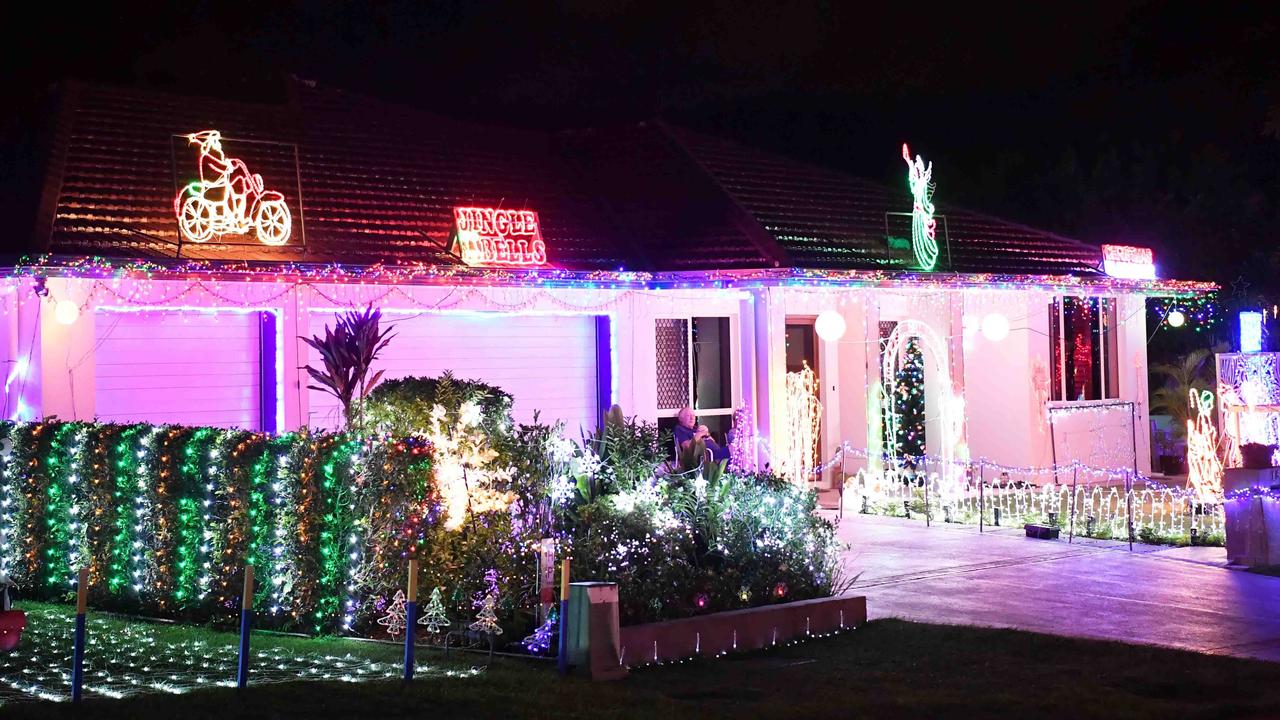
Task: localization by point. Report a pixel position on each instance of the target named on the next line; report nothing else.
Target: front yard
(888, 668)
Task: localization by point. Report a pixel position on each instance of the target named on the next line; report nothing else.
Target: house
(647, 266)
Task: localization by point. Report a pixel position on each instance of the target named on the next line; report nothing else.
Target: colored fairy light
(1176, 318)
(829, 325)
(495, 236)
(924, 226)
(228, 199)
(1250, 331)
(211, 281)
(1126, 261)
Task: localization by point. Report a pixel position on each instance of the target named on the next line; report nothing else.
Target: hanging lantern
(830, 325)
(995, 327)
(66, 312)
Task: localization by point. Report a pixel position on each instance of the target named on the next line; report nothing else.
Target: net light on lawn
(1250, 331)
(830, 325)
(995, 327)
(66, 312)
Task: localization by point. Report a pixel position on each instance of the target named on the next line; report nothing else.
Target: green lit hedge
(166, 517)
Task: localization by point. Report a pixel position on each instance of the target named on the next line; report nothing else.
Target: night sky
(1121, 122)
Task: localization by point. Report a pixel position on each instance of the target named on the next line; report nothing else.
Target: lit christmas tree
(910, 439)
(434, 616)
(540, 641)
(393, 621)
(487, 620)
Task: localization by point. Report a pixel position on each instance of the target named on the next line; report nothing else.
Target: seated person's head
(685, 417)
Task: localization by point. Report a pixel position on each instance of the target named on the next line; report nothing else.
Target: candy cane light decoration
(1203, 465)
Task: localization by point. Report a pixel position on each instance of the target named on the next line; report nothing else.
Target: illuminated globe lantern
(830, 325)
(995, 327)
(1176, 318)
(66, 312)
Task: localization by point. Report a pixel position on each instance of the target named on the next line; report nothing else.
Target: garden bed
(738, 630)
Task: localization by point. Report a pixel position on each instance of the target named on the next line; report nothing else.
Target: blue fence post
(246, 623)
(410, 619)
(562, 657)
(77, 654)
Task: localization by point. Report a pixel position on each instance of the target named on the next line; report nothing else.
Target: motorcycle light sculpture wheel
(196, 219)
(273, 222)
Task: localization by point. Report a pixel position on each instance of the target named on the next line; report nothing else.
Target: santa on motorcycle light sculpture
(228, 199)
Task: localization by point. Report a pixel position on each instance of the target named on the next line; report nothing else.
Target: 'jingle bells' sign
(494, 236)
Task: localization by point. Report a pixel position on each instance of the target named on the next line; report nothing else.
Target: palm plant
(1170, 398)
(348, 351)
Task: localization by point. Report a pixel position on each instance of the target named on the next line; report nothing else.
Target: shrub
(403, 407)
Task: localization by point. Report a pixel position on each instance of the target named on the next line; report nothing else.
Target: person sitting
(686, 433)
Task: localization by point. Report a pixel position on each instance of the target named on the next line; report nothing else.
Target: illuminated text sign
(1126, 261)
(493, 236)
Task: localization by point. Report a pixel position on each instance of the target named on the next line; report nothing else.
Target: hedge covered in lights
(165, 518)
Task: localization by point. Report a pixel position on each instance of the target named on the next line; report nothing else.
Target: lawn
(886, 669)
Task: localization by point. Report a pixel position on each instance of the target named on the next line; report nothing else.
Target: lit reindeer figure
(1204, 467)
(923, 225)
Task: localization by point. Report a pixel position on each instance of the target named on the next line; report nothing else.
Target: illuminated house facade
(648, 266)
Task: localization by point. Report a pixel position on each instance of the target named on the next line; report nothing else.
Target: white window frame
(1059, 358)
(735, 389)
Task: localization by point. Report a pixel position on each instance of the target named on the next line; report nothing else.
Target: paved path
(1183, 598)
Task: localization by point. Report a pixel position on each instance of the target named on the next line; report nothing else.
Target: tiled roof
(377, 183)
(826, 219)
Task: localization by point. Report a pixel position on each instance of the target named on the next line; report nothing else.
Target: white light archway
(950, 402)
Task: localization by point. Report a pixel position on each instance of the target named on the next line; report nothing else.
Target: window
(695, 368)
(1082, 335)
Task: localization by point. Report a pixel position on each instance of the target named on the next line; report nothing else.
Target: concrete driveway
(1177, 597)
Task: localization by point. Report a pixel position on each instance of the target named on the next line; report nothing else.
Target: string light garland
(208, 276)
(1199, 313)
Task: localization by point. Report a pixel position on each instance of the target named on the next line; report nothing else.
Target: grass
(887, 669)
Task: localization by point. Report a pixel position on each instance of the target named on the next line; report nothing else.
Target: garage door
(190, 368)
(546, 362)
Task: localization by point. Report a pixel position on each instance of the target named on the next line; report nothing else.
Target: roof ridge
(765, 241)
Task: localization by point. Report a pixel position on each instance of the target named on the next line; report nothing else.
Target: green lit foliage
(166, 517)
